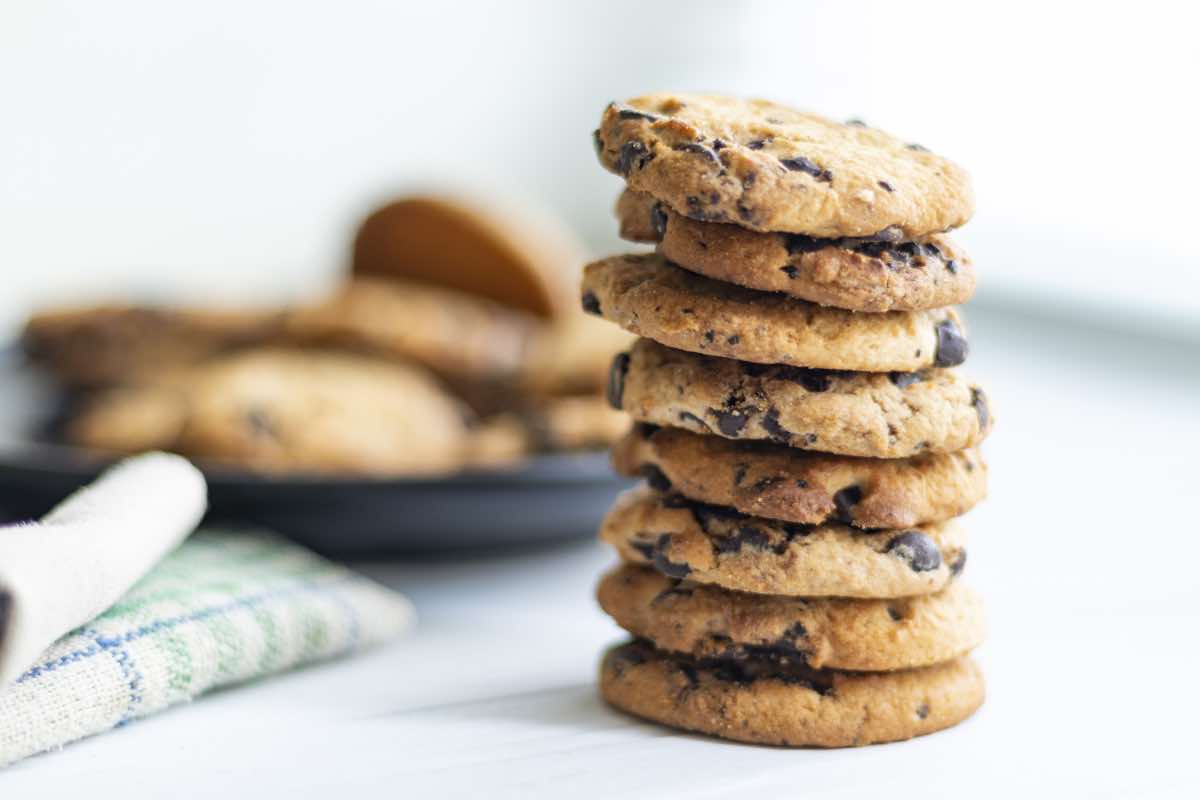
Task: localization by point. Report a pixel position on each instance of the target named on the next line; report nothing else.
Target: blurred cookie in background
(572, 357)
(278, 410)
(463, 338)
(514, 256)
(456, 342)
(108, 344)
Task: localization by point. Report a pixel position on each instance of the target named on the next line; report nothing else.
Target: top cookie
(768, 167)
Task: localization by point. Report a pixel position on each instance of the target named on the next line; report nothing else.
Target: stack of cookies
(790, 567)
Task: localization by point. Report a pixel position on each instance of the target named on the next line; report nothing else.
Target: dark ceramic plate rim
(581, 467)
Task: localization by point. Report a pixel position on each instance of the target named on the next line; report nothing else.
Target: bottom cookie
(761, 702)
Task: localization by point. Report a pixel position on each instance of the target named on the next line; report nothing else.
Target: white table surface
(1087, 552)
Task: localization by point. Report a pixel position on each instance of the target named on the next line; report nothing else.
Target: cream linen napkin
(59, 573)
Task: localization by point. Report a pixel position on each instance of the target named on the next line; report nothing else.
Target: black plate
(548, 498)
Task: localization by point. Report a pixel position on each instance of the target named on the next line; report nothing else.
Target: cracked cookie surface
(646, 295)
(683, 538)
(857, 274)
(764, 703)
(881, 415)
(804, 486)
(708, 622)
(768, 167)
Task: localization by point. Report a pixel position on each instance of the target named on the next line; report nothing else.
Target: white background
(225, 148)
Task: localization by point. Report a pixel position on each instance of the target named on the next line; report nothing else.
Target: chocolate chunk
(590, 303)
(658, 219)
(629, 655)
(710, 336)
(951, 344)
(676, 501)
(755, 370)
(739, 474)
(718, 145)
(917, 549)
(802, 164)
(730, 423)
(616, 380)
(887, 187)
(932, 249)
(894, 614)
(689, 672)
(705, 514)
(856, 123)
(646, 549)
(698, 149)
(629, 112)
(903, 380)
(907, 251)
(795, 631)
(762, 484)
(959, 562)
(734, 339)
(259, 421)
(872, 249)
(674, 590)
(757, 144)
(797, 243)
(952, 267)
(687, 416)
(777, 432)
(790, 271)
(646, 429)
(633, 154)
(793, 531)
(917, 147)
(813, 380)
(745, 536)
(597, 142)
(656, 478)
(979, 400)
(845, 500)
(923, 711)
(665, 565)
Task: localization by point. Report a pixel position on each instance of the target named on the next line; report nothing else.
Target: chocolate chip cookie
(764, 702)
(794, 485)
(96, 346)
(276, 410)
(453, 334)
(768, 167)
(684, 538)
(505, 252)
(646, 295)
(707, 622)
(861, 274)
(881, 415)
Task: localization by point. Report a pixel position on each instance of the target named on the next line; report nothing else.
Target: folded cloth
(59, 573)
(223, 608)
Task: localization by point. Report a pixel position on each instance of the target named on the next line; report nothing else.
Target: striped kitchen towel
(223, 608)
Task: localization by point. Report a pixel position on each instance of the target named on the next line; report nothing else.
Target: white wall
(223, 148)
